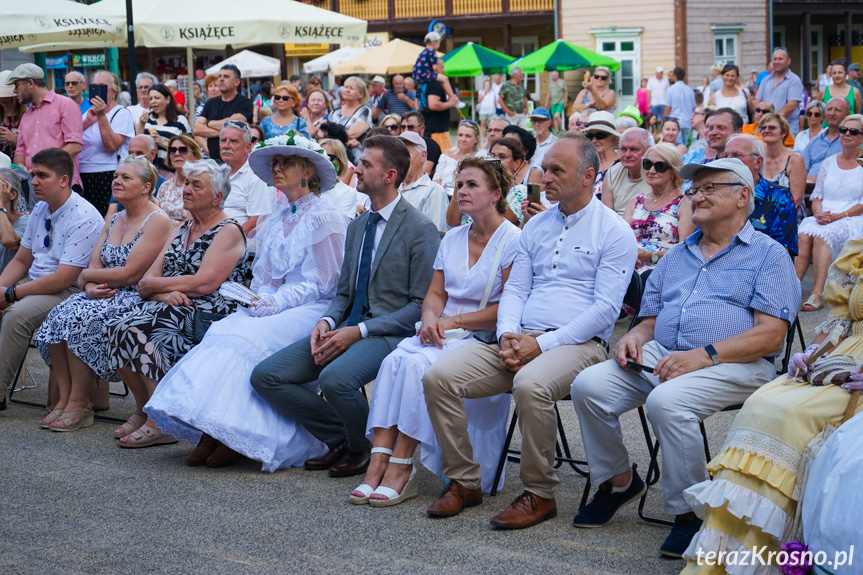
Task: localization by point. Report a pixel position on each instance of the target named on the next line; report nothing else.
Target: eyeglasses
(769, 127)
(813, 114)
(598, 77)
(178, 150)
(707, 189)
(49, 229)
(73, 83)
(281, 163)
(391, 127)
(853, 131)
(145, 88)
(278, 98)
(660, 167)
(735, 156)
(598, 135)
(136, 154)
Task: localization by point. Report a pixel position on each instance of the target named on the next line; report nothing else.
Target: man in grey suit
(388, 266)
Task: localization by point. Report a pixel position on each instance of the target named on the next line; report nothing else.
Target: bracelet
(460, 321)
(846, 213)
(8, 295)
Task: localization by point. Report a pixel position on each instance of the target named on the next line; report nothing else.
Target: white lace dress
(838, 190)
(298, 263)
(398, 397)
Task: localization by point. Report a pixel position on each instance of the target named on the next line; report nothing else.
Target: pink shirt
(55, 122)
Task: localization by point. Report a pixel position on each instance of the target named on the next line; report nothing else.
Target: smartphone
(487, 337)
(533, 194)
(638, 366)
(100, 90)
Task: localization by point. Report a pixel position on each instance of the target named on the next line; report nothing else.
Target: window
(725, 42)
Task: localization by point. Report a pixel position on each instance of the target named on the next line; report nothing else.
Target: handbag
(201, 322)
(458, 333)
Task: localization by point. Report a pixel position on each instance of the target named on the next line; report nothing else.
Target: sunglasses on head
(598, 135)
(660, 167)
(853, 131)
(178, 150)
(280, 98)
(391, 127)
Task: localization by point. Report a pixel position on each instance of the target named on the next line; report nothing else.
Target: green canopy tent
(560, 55)
(473, 60)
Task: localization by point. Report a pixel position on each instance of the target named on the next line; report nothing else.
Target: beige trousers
(18, 323)
(474, 371)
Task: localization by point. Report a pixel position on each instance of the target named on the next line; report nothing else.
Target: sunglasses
(255, 139)
(49, 228)
(762, 111)
(235, 124)
(598, 77)
(581, 124)
(278, 98)
(144, 88)
(178, 150)
(660, 167)
(75, 83)
(813, 114)
(333, 158)
(391, 127)
(598, 135)
(498, 165)
(853, 131)
(409, 127)
(468, 123)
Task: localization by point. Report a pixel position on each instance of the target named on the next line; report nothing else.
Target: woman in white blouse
(471, 268)
(467, 143)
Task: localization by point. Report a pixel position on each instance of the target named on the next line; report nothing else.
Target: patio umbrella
(44, 21)
(475, 60)
(326, 62)
(394, 57)
(560, 55)
(251, 64)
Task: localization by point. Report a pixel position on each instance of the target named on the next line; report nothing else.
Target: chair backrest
(634, 293)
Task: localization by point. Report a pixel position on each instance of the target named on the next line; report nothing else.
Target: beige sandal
(73, 420)
(814, 303)
(146, 436)
(50, 418)
(132, 425)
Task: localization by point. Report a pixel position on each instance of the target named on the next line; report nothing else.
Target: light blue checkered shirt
(698, 303)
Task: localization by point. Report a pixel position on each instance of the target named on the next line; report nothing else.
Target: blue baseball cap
(541, 113)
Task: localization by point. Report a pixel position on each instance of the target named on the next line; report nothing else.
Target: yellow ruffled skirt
(750, 501)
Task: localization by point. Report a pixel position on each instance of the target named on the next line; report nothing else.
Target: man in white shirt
(558, 308)
(143, 81)
(541, 121)
(417, 188)
(493, 133)
(56, 246)
(657, 87)
(250, 197)
(497, 81)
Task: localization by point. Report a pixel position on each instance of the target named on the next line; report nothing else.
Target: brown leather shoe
(527, 510)
(351, 464)
(206, 446)
(454, 499)
(223, 456)
(328, 459)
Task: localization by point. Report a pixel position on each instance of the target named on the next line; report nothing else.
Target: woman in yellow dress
(753, 497)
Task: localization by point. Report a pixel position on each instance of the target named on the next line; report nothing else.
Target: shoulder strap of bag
(497, 257)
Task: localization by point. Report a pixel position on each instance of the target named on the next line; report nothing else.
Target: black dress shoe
(351, 464)
(328, 459)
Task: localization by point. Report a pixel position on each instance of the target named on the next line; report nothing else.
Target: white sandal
(365, 488)
(393, 497)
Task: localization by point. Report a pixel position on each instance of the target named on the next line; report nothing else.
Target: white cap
(411, 137)
(724, 165)
(379, 80)
(432, 37)
(660, 69)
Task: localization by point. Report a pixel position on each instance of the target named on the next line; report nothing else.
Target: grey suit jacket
(401, 272)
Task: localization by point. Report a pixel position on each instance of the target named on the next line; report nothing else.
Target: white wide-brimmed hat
(602, 121)
(292, 144)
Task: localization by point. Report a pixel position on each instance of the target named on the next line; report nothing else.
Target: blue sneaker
(605, 504)
(680, 537)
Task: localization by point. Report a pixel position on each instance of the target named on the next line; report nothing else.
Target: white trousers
(603, 392)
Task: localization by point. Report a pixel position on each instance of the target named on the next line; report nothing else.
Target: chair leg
(577, 465)
(504, 454)
(653, 472)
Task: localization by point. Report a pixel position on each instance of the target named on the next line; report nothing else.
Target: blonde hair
(115, 81)
(338, 150)
(145, 171)
(361, 86)
(784, 126)
(670, 155)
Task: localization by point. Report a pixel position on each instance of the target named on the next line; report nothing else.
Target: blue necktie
(364, 270)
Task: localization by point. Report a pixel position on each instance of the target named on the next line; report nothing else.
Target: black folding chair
(561, 447)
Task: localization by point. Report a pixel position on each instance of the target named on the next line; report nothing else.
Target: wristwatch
(711, 351)
(654, 258)
(4, 210)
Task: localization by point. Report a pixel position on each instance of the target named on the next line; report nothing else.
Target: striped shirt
(698, 303)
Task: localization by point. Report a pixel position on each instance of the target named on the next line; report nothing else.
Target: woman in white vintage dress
(207, 398)
(472, 260)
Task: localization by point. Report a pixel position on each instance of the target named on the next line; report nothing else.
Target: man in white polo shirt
(56, 246)
(250, 197)
(417, 188)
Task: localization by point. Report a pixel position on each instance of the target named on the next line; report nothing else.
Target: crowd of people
(248, 267)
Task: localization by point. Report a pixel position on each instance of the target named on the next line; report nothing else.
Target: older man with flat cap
(714, 316)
